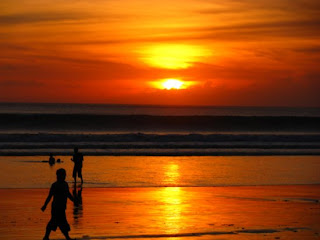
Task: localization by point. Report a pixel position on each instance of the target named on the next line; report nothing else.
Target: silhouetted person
(51, 159)
(60, 192)
(77, 169)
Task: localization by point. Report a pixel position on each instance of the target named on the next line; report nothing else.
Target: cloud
(258, 20)
(57, 16)
(235, 6)
(309, 49)
(250, 31)
(63, 69)
(38, 17)
(21, 83)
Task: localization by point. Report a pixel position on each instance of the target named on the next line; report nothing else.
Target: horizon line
(159, 105)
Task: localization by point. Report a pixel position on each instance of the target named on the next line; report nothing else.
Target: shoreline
(143, 144)
(226, 154)
(70, 183)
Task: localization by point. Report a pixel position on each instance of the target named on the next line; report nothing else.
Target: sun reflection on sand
(172, 200)
(172, 209)
(172, 174)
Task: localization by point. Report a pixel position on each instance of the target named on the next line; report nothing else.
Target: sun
(172, 84)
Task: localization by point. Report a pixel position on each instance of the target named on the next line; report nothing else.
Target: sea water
(123, 130)
(157, 146)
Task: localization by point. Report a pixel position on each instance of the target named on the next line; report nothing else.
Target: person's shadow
(77, 206)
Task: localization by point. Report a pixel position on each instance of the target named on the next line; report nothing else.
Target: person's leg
(74, 174)
(80, 174)
(64, 225)
(48, 231)
(66, 234)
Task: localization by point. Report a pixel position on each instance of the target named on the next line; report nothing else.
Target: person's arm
(69, 195)
(47, 200)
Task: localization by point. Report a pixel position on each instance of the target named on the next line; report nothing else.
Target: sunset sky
(228, 52)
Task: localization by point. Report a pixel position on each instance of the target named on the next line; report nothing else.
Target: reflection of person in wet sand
(77, 169)
(60, 192)
(77, 209)
(77, 195)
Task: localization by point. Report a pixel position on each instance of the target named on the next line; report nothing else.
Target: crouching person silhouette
(60, 192)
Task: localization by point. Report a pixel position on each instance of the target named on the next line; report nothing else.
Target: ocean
(130, 130)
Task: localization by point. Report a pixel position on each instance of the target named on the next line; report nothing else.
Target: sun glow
(173, 56)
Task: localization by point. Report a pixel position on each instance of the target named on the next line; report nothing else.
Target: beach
(255, 212)
(257, 197)
(239, 175)
(163, 171)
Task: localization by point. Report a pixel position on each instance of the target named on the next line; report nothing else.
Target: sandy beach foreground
(262, 212)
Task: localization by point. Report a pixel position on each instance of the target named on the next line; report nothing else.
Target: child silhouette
(60, 192)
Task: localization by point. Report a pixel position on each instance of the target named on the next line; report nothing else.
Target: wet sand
(262, 212)
(110, 171)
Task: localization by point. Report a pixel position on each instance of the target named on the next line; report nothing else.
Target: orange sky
(229, 52)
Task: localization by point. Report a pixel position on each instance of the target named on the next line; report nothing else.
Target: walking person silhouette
(77, 169)
(60, 192)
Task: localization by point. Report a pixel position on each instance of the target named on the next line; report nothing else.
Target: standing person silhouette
(60, 192)
(77, 169)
